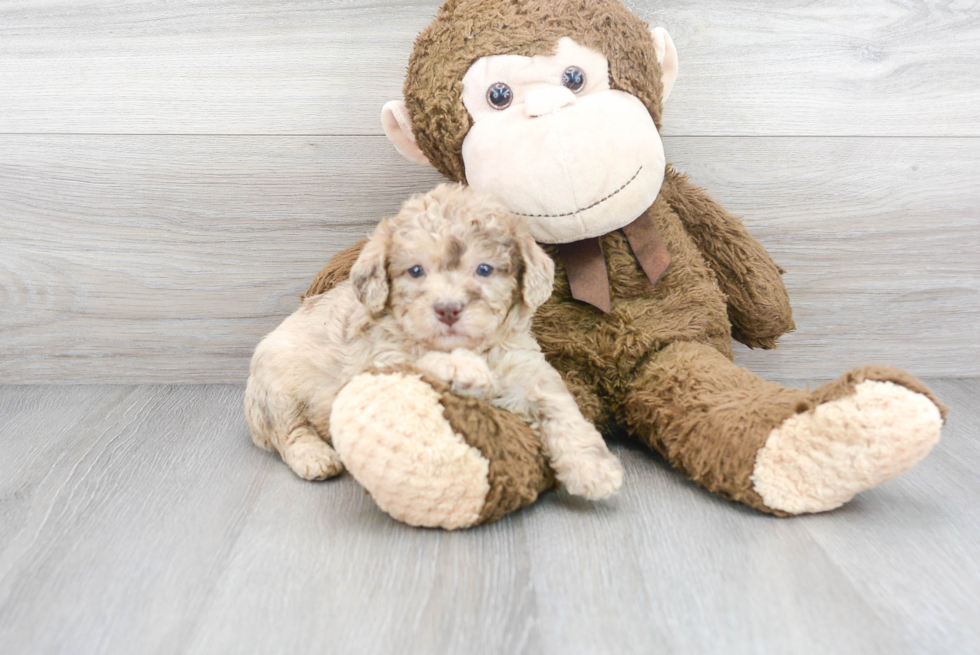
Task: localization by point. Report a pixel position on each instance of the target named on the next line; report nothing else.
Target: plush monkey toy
(554, 107)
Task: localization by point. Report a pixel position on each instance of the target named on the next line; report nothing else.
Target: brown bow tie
(586, 266)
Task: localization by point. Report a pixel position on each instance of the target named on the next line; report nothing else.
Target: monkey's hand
(758, 305)
(466, 372)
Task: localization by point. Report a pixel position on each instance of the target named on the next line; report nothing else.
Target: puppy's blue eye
(416, 271)
(484, 270)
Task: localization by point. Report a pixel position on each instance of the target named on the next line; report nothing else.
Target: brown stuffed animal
(554, 107)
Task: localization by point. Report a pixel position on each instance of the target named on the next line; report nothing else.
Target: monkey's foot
(433, 458)
(821, 458)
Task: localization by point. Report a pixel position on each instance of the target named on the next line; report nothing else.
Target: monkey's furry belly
(686, 304)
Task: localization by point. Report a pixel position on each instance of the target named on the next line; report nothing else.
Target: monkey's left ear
(667, 56)
(398, 126)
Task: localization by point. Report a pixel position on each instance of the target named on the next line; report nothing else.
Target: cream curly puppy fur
(447, 287)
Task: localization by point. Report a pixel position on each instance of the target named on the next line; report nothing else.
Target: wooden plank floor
(140, 519)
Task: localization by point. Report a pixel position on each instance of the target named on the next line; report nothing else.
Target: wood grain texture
(142, 519)
(165, 259)
(842, 68)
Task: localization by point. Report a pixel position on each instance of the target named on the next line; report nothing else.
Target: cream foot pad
(818, 460)
(391, 434)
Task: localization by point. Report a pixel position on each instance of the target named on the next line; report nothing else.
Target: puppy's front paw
(312, 460)
(592, 474)
(472, 376)
(466, 372)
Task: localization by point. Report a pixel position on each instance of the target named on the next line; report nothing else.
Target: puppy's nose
(448, 312)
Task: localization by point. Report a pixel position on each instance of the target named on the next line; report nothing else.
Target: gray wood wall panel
(143, 520)
(173, 174)
(874, 67)
(165, 259)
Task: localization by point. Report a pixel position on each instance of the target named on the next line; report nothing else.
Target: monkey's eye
(499, 95)
(573, 79)
(416, 271)
(484, 270)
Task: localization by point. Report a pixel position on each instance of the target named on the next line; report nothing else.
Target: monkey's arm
(758, 305)
(336, 270)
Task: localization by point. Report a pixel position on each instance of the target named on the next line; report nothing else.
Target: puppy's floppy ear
(539, 272)
(369, 273)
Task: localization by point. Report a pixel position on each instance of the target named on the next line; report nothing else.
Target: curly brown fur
(685, 305)
(708, 417)
(758, 305)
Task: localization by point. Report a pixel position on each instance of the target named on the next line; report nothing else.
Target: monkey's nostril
(448, 312)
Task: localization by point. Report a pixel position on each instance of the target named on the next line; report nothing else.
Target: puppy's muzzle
(448, 312)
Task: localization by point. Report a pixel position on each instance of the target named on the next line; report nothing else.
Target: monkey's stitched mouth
(595, 204)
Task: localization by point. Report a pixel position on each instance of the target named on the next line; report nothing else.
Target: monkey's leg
(433, 458)
(780, 450)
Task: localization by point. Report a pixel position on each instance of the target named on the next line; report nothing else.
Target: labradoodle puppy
(446, 288)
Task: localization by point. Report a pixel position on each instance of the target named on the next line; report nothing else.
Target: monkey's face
(555, 114)
(554, 143)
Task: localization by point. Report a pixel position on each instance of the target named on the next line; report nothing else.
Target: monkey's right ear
(398, 126)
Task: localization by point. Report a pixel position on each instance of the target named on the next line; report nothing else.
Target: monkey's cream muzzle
(576, 164)
(580, 171)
